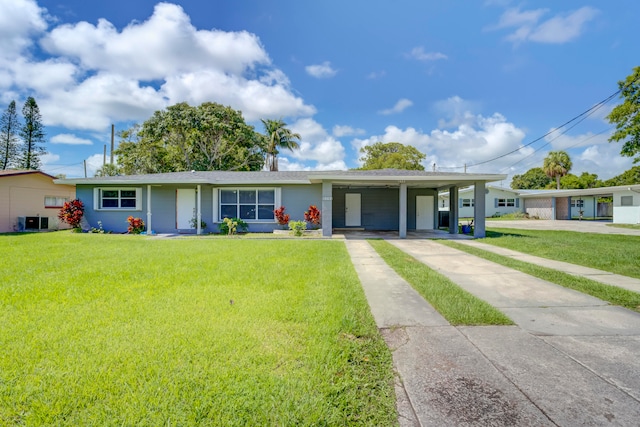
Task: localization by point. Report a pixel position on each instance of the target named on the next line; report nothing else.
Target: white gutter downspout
(149, 229)
(198, 212)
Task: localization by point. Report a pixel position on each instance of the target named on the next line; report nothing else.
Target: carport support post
(327, 207)
(479, 209)
(198, 211)
(403, 210)
(149, 229)
(453, 210)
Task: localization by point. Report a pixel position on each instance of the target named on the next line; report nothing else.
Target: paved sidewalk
(606, 277)
(577, 372)
(600, 227)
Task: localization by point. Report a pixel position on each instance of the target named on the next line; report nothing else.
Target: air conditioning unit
(33, 223)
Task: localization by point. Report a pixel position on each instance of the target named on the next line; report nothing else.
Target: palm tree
(278, 136)
(556, 165)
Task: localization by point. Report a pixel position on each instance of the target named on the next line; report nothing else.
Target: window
(626, 201)
(54, 201)
(506, 202)
(118, 198)
(577, 203)
(248, 204)
(467, 203)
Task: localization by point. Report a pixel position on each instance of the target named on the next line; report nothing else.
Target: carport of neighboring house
(388, 199)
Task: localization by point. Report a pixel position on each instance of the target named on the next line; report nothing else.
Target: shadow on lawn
(496, 234)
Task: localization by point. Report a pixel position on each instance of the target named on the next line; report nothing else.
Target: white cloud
(340, 131)
(321, 71)
(96, 75)
(478, 139)
(164, 44)
(317, 145)
(70, 139)
(561, 28)
(20, 20)
(400, 106)
(374, 75)
(420, 54)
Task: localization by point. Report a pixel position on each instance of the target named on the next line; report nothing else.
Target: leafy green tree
(182, 138)
(32, 134)
(533, 179)
(108, 169)
(629, 177)
(9, 125)
(278, 137)
(556, 165)
(392, 155)
(626, 116)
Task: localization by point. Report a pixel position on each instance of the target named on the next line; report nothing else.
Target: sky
(475, 84)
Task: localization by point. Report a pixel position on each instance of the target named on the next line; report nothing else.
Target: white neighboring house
(499, 201)
(626, 204)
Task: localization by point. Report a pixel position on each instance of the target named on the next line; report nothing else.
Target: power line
(586, 114)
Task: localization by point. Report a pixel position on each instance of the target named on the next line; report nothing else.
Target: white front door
(185, 208)
(352, 210)
(424, 213)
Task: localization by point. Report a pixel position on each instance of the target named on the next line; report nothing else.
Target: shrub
(297, 227)
(231, 226)
(281, 217)
(72, 212)
(312, 216)
(136, 225)
(194, 223)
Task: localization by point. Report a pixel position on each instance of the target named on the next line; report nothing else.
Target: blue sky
(465, 82)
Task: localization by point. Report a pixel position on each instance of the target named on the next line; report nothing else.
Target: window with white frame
(577, 203)
(247, 204)
(54, 201)
(626, 201)
(506, 202)
(109, 198)
(467, 203)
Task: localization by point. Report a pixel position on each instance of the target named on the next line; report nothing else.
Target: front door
(424, 213)
(185, 208)
(352, 205)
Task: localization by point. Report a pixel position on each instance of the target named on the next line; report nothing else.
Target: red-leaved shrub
(281, 217)
(72, 212)
(312, 215)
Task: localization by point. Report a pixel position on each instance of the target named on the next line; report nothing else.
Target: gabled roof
(14, 172)
(350, 177)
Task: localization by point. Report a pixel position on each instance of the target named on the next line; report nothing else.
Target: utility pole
(104, 155)
(113, 131)
(85, 168)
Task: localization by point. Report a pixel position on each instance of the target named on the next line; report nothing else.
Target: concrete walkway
(599, 227)
(571, 359)
(606, 277)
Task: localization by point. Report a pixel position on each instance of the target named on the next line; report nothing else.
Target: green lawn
(130, 330)
(455, 304)
(609, 252)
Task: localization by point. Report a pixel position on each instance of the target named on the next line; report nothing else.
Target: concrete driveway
(601, 227)
(570, 360)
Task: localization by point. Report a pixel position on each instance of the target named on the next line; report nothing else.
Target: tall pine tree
(32, 134)
(9, 126)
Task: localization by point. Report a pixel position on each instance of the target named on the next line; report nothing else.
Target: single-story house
(626, 204)
(567, 204)
(498, 201)
(29, 200)
(386, 199)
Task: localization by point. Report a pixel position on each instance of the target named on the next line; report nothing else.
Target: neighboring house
(566, 204)
(371, 200)
(30, 200)
(626, 204)
(498, 201)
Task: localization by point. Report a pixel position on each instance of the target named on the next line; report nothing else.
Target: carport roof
(351, 177)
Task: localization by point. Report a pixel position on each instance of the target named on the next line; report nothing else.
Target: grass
(132, 330)
(455, 304)
(612, 294)
(628, 226)
(609, 252)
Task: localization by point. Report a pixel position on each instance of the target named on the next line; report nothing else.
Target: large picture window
(118, 198)
(248, 204)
